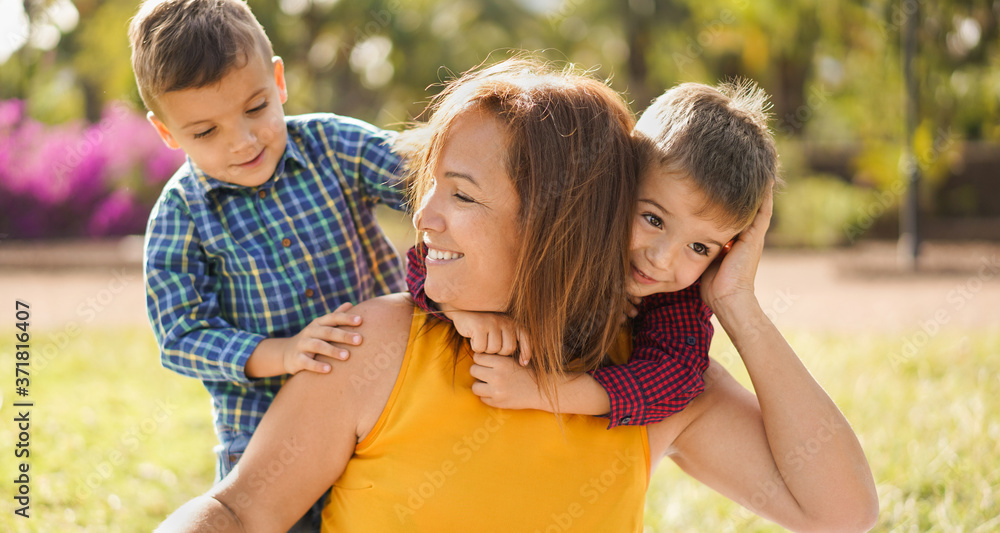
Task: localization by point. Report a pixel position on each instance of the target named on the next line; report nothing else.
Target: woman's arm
(309, 433)
(787, 454)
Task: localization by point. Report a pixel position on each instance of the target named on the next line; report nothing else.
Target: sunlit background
(910, 354)
(77, 161)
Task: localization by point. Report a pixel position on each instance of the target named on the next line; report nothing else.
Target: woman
(525, 185)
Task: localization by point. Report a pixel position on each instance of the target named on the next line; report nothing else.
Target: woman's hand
(731, 277)
(739, 444)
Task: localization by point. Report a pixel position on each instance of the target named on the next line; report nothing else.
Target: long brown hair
(574, 168)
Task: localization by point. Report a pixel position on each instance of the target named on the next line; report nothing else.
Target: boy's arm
(663, 375)
(505, 384)
(194, 341)
(668, 359)
(182, 303)
(368, 152)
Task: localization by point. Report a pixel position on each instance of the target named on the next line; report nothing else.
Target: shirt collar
(210, 184)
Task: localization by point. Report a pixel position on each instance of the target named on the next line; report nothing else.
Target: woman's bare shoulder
(392, 310)
(359, 387)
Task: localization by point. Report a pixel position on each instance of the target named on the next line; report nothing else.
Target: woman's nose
(428, 216)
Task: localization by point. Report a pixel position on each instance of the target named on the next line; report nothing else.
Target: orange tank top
(438, 459)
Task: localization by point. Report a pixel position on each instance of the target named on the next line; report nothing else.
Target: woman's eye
(464, 198)
(699, 248)
(204, 133)
(653, 220)
(258, 108)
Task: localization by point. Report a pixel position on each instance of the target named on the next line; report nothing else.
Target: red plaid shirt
(672, 335)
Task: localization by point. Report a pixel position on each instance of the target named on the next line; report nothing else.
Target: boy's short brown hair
(719, 138)
(185, 44)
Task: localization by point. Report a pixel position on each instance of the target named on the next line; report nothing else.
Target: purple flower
(75, 179)
(117, 214)
(11, 112)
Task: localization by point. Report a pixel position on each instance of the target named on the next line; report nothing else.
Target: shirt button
(262, 193)
(691, 340)
(286, 242)
(625, 420)
(309, 293)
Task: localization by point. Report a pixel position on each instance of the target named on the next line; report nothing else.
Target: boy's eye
(699, 248)
(204, 133)
(653, 220)
(258, 108)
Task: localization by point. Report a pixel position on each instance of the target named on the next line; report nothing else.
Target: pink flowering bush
(76, 179)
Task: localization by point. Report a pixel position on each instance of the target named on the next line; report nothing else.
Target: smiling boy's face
(674, 238)
(234, 130)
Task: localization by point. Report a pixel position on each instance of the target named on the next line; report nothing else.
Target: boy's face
(233, 130)
(671, 244)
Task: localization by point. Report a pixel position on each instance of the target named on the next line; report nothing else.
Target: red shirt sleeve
(416, 274)
(673, 332)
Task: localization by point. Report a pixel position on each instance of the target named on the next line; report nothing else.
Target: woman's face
(469, 218)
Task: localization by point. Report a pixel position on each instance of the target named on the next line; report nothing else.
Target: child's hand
(632, 306)
(301, 350)
(491, 333)
(505, 384)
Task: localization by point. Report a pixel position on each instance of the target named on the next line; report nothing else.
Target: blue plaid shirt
(227, 266)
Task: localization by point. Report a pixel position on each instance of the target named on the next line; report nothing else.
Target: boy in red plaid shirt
(708, 162)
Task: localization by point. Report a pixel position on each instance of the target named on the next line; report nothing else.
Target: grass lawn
(117, 442)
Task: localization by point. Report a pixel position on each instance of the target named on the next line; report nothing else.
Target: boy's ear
(168, 139)
(726, 247)
(279, 78)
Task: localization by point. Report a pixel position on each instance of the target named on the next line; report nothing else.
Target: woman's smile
(469, 218)
(437, 256)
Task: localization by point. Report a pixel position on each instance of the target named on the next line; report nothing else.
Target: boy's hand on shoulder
(315, 339)
(505, 384)
(491, 333)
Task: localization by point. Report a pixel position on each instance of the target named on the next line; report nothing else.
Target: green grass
(117, 442)
(928, 424)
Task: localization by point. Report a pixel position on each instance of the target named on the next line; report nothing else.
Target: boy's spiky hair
(717, 136)
(184, 44)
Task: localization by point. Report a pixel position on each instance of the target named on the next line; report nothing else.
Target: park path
(847, 290)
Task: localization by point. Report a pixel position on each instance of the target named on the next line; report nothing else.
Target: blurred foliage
(79, 179)
(833, 68)
(820, 211)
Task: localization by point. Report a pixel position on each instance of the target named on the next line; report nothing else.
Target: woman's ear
(161, 129)
(279, 78)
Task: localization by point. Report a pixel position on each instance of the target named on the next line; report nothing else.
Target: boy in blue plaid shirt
(267, 227)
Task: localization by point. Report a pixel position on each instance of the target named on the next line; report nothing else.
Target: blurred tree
(832, 68)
